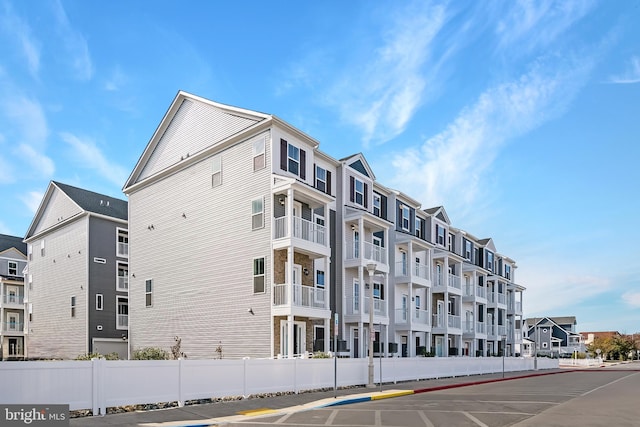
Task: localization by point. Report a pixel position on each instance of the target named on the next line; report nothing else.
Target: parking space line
(332, 416)
(474, 419)
(427, 421)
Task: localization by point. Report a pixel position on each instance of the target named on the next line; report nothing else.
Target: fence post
(295, 375)
(98, 399)
(244, 377)
(180, 399)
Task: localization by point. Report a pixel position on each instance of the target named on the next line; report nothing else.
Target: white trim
(118, 264)
(118, 299)
(100, 299)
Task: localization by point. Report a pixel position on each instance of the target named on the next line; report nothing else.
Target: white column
(290, 348)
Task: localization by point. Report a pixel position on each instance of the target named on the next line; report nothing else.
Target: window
(258, 154)
(148, 293)
(418, 231)
(123, 243)
(216, 171)
(467, 249)
(378, 291)
(489, 261)
(30, 252)
(123, 276)
(42, 248)
(359, 192)
(321, 179)
(507, 271)
(320, 279)
(258, 275)
(439, 235)
(73, 306)
(377, 204)
(417, 302)
(293, 159)
(405, 217)
(122, 321)
(13, 268)
(451, 243)
(99, 301)
(257, 213)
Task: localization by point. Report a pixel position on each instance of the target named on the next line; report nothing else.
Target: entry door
(356, 342)
(297, 280)
(440, 346)
(299, 337)
(356, 244)
(298, 228)
(440, 314)
(405, 299)
(12, 294)
(12, 322)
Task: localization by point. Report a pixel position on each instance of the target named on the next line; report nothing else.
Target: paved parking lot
(579, 398)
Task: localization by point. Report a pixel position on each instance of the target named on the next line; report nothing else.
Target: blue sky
(521, 118)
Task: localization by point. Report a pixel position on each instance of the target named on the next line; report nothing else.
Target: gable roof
(359, 163)
(190, 126)
(77, 201)
(488, 243)
(439, 213)
(7, 242)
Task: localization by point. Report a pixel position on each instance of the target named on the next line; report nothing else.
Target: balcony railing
(467, 290)
(438, 320)
(481, 292)
(491, 329)
(502, 299)
(502, 330)
(468, 327)
(454, 281)
(418, 270)
(439, 281)
(518, 307)
(13, 299)
(480, 328)
(123, 320)
(303, 296)
(302, 229)
(123, 283)
(379, 306)
(12, 326)
(454, 321)
(371, 252)
(402, 269)
(123, 249)
(402, 315)
(421, 316)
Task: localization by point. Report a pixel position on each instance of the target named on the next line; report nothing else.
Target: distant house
(77, 250)
(13, 260)
(555, 336)
(589, 337)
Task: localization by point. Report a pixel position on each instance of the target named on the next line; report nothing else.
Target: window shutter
(315, 183)
(328, 190)
(437, 233)
(352, 188)
(303, 164)
(366, 192)
(283, 154)
(383, 207)
(381, 291)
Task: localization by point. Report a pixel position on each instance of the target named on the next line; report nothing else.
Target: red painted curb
(495, 380)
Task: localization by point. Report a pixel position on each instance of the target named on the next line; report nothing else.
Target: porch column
(289, 285)
(290, 349)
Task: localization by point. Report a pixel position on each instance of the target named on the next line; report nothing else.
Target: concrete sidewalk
(215, 413)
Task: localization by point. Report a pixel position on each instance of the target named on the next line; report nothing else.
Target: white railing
(371, 252)
(467, 290)
(123, 249)
(439, 280)
(402, 315)
(123, 283)
(13, 299)
(468, 327)
(453, 321)
(518, 307)
(491, 330)
(438, 320)
(123, 320)
(502, 330)
(132, 382)
(379, 306)
(303, 296)
(12, 326)
(402, 269)
(421, 317)
(480, 327)
(481, 292)
(491, 297)
(302, 229)
(454, 281)
(353, 305)
(421, 270)
(502, 299)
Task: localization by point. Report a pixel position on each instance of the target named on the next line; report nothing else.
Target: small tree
(175, 349)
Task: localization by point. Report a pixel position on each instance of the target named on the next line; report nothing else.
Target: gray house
(77, 281)
(13, 260)
(556, 336)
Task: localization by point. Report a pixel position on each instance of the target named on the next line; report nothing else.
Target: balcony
(468, 327)
(417, 273)
(123, 321)
(402, 316)
(481, 292)
(13, 327)
(453, 283)
(122, 250)
(17, 300)
(371, 253)
(123, 283)
(303, 296)
(502, 330)
(421, 317)
(379, 306)
(502, 299)
(454, 321)
(481, 328)
(305, 234)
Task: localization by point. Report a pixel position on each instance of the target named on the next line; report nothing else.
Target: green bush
(89, 356)
(150, 353)
(321, 355)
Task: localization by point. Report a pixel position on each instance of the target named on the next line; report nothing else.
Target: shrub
(150, 353)
(89, 356)
(321, 355)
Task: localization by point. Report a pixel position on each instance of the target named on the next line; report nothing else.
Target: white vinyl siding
(59, 208)
(259, 154)
(60, 281)
(216, 171)
(217, 233)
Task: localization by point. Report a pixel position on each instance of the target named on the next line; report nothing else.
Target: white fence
(99, 384)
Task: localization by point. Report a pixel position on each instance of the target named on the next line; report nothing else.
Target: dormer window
(377, 204)
(359, 192)
(292, 159)
(439, 235)
(418, 231)
(293, 155)
(405, 217)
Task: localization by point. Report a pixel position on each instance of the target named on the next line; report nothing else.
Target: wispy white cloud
(116, 80)
(89, 156)
(530, 25)
(28, 116)
(632, 299)
(40, 163)
(19, 30)
(32, 200)
(382, 96)
(449, 168)
(631, 75)
(75, 44)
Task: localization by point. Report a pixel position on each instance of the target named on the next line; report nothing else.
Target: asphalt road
(604, 397)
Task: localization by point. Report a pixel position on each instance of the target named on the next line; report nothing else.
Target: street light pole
(504, 350)
(371, 268)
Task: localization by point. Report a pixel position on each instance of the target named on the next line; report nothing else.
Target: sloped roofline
(359, 156)
(40, 211)
(436, 210)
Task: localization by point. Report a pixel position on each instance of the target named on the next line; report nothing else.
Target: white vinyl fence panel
(99, 384)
